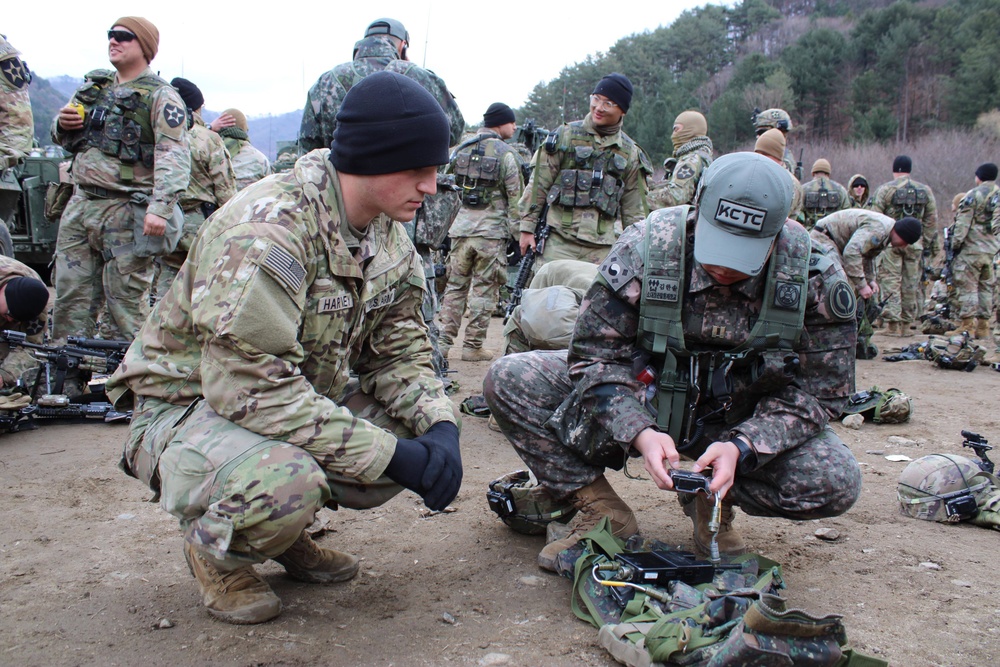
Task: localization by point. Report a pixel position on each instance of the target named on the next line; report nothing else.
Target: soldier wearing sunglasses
(117, 219)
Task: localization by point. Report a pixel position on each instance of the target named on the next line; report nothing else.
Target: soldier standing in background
(593, 174)
(771, 144)
(857, 189)
(822, 195)
(296, 285)
(212, 183)
(488, 172)
(975, 244)
(776, 119)
(249, 164)
(17, 126)
(97, 259)
(901, 268)
(692, 155)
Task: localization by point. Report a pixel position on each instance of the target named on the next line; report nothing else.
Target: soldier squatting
(720, 327)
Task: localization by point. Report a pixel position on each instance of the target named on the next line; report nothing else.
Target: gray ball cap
(743, 204)
(388, 27)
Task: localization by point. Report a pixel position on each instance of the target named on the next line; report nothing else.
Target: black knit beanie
(498, 114)
(908, 229)
(617, 88)
(27, 298)
(902, 164)
(190, 93)
(389, 123)
(987, 172)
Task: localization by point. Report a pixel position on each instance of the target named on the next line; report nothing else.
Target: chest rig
(118, 118)
(908, 199)
(588, 176)
(476, 164)
(821, 199)
(696, 386)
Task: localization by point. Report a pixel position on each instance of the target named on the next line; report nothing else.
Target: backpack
(881, 407)
(959, 352)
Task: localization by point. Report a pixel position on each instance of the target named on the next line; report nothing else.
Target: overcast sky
(265, 61)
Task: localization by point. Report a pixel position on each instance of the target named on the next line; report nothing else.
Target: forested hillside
(845, 70)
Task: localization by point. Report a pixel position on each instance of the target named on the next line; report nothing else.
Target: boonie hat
(743, 204)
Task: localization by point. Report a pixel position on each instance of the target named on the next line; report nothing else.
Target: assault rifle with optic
(542, 231)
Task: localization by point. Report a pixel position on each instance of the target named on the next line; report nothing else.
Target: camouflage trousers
(899, 279)
(477, 269)
(240, 496)
(168, 266)
(560, 247)
(86, 281)
(973, 282)
(817, 479)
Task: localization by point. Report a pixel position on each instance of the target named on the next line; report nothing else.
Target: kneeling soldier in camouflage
(725, 342)
(246, 419)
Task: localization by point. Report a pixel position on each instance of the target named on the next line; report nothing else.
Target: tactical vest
(118, 118)
(766, 357)
(821, 201)
(909, 200)
(589, 176)
(476, 164)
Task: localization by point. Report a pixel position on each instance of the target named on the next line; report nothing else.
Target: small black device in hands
(686, 481)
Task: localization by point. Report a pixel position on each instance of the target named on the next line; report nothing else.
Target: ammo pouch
(824, 200)
(911, 200)
(600, 187)
(57, 195)
(154, 246)
(478, 174)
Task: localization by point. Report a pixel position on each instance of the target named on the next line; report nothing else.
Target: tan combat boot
(594, 501)
(700, 510)
(307, 561)
(892, 328)
(478, 354)
(967, 324)
(237, 596)
(982, 328)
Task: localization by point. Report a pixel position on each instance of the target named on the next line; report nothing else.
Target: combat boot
(236, 595)
(700, 510)
(593, 502)
(307, 561)
(478, 354)
(982, 328)
(967, 324)
(892, 328)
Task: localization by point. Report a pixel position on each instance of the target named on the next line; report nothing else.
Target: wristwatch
(747, 462)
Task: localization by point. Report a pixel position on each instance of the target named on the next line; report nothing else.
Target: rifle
(59, 407)
(980, 446)
(86, 354)
(949, 256)
(798, 165)
(542, 231)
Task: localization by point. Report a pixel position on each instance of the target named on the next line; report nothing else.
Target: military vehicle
(26, 234)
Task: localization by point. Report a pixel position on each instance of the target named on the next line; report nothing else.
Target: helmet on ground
(524, 505)
(941, 487)
(776, 118)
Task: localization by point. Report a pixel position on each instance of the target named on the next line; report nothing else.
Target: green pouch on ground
(889, 406)
(155, 246)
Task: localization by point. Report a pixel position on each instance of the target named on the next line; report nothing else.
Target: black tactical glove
(443, 474)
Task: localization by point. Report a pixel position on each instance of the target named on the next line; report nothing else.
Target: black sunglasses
(120, 35)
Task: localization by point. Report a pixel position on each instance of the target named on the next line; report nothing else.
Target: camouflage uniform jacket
(249, 164)
(977, 221)
(811, 191)
(19, 360)
(881, 201)
(692, 158)
(212, 178)
(278, 302)
(855, 202)
(860, 236)
(586, 225)
(166, 180)
(16, 123)
(493, 221)
(604, 346)
(434, 85)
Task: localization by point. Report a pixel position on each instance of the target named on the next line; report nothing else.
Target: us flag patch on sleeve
(285, 268)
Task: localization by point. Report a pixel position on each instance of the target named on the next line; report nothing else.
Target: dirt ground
(90, 571)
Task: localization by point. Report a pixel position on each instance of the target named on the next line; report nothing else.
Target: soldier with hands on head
(592, 174)
(975, 244)
(822, 195)
(488, 172)
(692, 155)
(17, 125)
(212, 182)
(288, 367)
(901, 267)
(126, 129)
(249, 164)
(754, 340)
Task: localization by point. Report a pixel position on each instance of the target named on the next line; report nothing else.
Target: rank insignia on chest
(331, 304)
(662, 289)
(380, 300)
(787, 295)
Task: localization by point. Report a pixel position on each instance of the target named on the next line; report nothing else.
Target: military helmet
(388, 27)
(525, 506)
(941, 487)
(776, 118)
